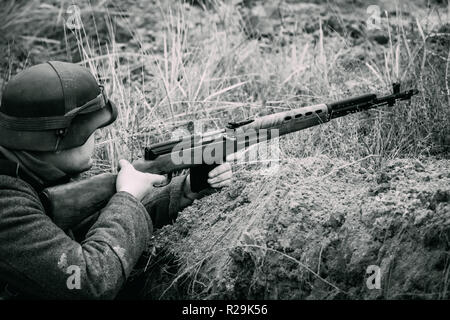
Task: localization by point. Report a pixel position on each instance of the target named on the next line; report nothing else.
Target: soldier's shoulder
(10, 184)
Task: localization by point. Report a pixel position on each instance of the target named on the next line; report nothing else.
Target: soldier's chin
(75, 172)
(87, 166)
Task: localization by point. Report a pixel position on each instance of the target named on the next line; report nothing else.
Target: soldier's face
(80, 159)
(73, 161)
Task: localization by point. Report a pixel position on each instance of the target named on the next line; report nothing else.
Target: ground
(361, 199)
(310, 231)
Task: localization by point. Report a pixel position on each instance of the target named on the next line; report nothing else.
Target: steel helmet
(53, 106)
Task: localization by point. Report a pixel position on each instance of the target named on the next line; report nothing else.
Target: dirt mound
(310, 231)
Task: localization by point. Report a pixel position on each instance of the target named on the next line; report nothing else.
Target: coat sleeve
(39, 259)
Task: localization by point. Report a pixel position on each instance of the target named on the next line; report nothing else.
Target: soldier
(48, 117)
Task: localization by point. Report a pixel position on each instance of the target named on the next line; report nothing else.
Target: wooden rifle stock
(70, 204)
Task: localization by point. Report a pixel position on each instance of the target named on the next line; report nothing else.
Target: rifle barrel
(366, 102)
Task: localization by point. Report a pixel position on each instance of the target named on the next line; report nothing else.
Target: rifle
(71, 203)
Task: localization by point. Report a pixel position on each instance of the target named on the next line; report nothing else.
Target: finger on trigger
(157, 179)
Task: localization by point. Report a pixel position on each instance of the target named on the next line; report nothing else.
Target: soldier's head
(52, 111)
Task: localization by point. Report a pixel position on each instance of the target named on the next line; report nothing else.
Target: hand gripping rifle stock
(71, 203)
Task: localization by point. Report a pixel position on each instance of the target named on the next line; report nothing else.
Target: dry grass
(225, 75)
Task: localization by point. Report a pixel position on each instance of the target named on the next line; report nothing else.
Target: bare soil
(310, 231)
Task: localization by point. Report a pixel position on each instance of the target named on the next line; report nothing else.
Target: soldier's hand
(136, 183)
(220, 176)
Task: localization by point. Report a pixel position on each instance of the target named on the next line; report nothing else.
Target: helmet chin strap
(60, 133)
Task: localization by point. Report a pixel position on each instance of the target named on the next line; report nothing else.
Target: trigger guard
(168, 180)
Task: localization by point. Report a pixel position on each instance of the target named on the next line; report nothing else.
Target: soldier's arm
(38, 258)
